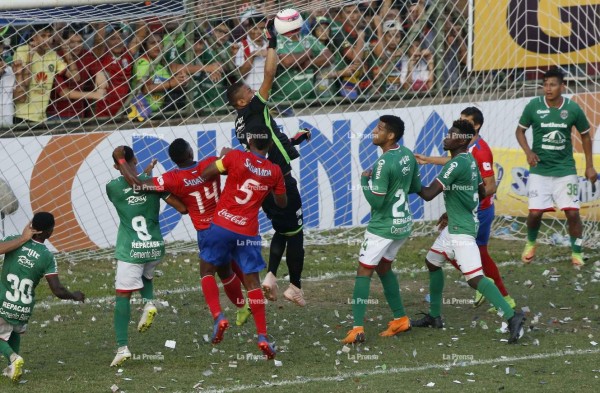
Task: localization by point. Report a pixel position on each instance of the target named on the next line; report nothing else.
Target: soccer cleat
(147, 317)
(355, 335)
(122, 355)
(266, 347)
(15, 369)
(511, 302)
(295, 295)
(528, 253)
(396, 326)
(269, 287)
(577, 260)
(479, 299)
(428, 321)
(515, 324)
(242, 314)
(221, 324)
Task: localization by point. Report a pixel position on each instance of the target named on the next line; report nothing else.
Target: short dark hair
(255, 19)
(232, 92)
(393, 124)
(178, 150)
(42, 221)
(555, 72)
(261, 137)
(128, 154)
(465, 128)
(475, 113)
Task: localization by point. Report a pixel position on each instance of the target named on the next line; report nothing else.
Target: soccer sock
(362, 285)
(295, 257)
(436, 289)
(532, 234)
(238, 272)
(147, 291)
(391, 290)
(489, 290)
(211, 295)
(491, 270)
(276, 252)
(15, 342)
(122, 317)
(233, 289)
(576, 243)
(6, 350)
(256, 301)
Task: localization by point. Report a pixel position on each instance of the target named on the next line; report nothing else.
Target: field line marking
(327, 276)
(400, 370)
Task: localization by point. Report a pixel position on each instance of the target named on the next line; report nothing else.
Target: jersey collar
(561, 104)
(189, 167)
(474, 142)
(259, 156)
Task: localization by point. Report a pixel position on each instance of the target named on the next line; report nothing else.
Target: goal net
(103, 74)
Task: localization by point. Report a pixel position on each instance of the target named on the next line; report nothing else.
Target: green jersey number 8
(138, 223)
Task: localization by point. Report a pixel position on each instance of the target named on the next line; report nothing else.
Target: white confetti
(414, 353)
(345, 349)
(170, 344)
(207, 373)
(430, 384)
(594, 343)
(278, 363)
(114, 388)
(457, 382)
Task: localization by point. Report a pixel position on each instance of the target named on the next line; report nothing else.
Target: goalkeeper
(252, 114)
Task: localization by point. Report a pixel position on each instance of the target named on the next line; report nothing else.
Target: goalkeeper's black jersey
(257, 114)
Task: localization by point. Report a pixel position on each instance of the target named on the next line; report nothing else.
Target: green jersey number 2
(396, 212)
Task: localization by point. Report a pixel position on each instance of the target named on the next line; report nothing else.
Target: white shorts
(376, 248)
(129, 275)
(6, 329)
(460, 248)
(545, 192)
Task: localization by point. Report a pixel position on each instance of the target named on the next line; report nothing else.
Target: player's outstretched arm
(423, 159)
(590, 172)
(61, 292)
(128, 173)
(532, 158)
(211, 171)
(271, 61)
(431, 191)
(11, 245)
(177, 204)
(280, 200)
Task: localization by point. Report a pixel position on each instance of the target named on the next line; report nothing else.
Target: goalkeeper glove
(302, 135)
(271, 34)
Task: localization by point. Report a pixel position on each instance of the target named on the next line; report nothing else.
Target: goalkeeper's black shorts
(289, 220)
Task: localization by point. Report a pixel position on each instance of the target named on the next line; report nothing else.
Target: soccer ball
(288, 22)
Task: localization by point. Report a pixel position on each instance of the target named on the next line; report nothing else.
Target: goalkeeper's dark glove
(271, 34)
(301, 136)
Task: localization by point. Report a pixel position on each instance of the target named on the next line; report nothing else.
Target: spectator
(299, 59)
(250, 59)
(209, 83)
(415, 18)
(174, 42)
(455, 56)
(117, 64)
(70, 96)
(390, 64)
(36, 66)
(420, 69)
(8, 90)
(349, 41)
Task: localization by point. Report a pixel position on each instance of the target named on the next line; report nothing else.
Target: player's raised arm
(123, 165)
(213, 170)
(431, 191)
(13, 244)
(271, 61)
(172, 200)
(423, 159)
(61, 292)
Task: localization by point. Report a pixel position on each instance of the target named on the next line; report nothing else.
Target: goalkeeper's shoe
(295, 295)
(122, 355)
(221, 324)
(528, 253)
(479, 299)
(577, 259)
(269, 287)
(242, 314)
(515, 326)
(266, 347)
(15, 369)
(396, 326)
(428, 321)
(354, 336)
(511, 302)
(147, 317)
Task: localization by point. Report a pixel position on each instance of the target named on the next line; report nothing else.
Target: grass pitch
(68, 347)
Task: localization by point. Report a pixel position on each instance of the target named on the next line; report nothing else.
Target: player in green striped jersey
(140, 247)
(26, 261)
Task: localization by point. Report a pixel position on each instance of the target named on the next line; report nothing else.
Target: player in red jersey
(485, 160)
(251, 177)
(200, 197)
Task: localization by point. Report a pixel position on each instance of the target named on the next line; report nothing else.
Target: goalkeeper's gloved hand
(302, 135)
(271, 34)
